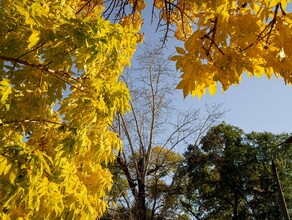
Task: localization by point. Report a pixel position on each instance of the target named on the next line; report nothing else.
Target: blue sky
(256, 104)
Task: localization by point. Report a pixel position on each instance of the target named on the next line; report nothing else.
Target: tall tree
(150, 133)
(229, 175)
(59, 91)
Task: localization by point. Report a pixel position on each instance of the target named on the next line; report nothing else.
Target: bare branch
(123, 194)
(126, 171)
(152, 122)
(125, 128)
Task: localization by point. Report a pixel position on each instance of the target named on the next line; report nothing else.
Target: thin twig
(212, 32)
(83, 6)
(271, 25)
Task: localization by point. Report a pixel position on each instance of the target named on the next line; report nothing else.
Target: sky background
(256, 104)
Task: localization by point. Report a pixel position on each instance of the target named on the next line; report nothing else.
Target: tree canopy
(229, 175)
(59, 92)
(222, 39)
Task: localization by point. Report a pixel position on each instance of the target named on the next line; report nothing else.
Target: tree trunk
(235, 208)
(140, 207)
(140, 212)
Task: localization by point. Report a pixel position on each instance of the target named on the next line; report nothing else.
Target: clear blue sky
(257, 104)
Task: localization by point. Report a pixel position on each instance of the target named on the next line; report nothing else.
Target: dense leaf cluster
(59, 92)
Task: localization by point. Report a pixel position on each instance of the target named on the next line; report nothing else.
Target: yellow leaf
(33, 39)
(284, 4)
(180, 50)
(220, 8)
(12, 176)
(181, 84)
(3, 163)
(5, 90)
(7, 168)
(257, 8)
(212, 89)
(175, 58)
(114, 204)
(4, 216)
(273, 3)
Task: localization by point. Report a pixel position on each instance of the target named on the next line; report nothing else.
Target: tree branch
(126, 171)
(3, 123)
(55, 73)
(271, 24)
(212, 32)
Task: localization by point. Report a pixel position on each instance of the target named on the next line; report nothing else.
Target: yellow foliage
(231, 38)
(222, 39)
(59, 87)
(59, 91)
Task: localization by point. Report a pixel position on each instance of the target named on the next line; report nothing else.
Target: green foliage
(230, 176)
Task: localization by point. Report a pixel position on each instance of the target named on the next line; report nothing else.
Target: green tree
(229, 175)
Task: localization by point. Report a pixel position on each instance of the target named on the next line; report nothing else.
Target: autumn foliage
(60, 63)
(59, 91)
(234, 37)
(223, 39)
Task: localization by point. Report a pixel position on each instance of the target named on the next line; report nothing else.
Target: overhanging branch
(59, 74)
